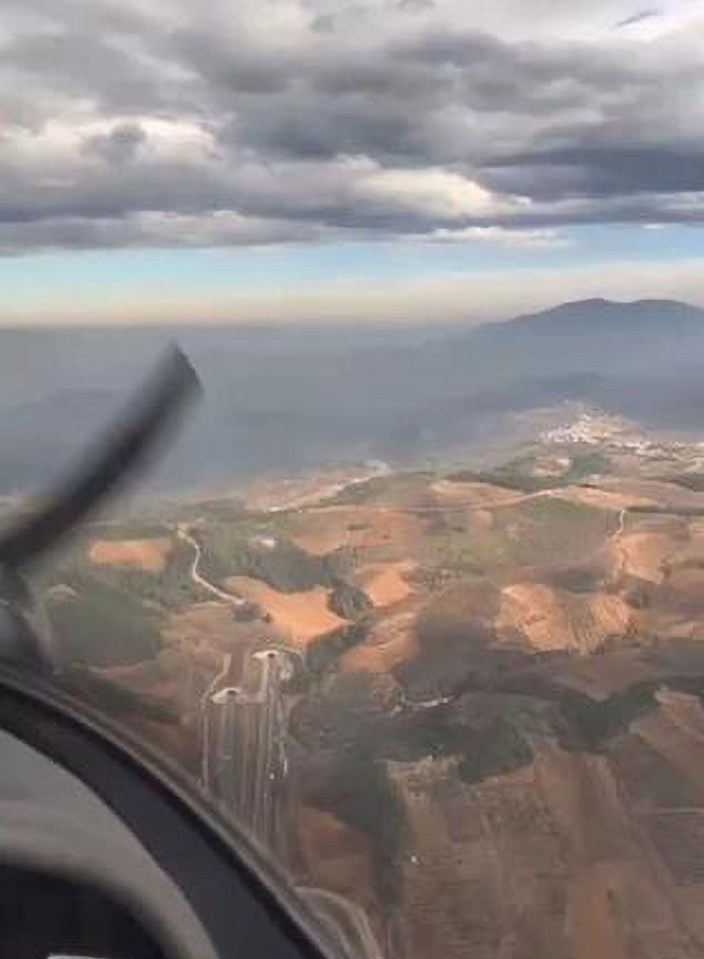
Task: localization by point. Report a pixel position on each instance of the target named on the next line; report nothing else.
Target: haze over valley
(282, 400)
(452, 678)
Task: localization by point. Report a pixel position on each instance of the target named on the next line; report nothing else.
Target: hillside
(493, 723)
(599, 316)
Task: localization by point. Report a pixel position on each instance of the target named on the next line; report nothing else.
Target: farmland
(495, 730)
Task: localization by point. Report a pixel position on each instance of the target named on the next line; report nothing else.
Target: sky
(324, 160)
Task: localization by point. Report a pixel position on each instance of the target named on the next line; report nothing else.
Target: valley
(483, 725)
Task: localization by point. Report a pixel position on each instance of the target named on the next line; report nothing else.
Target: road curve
(205, 718)
(329, 903)
(619, 552)
(232, 598)
(621, 523)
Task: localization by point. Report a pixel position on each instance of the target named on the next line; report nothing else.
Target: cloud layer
(165, 122)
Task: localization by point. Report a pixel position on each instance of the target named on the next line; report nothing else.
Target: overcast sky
(286, 159)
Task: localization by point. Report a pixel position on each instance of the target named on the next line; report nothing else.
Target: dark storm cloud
(77, 65)
(602, 171)
(326, 128)
(85, 233)
(230, 66)
(361, 118)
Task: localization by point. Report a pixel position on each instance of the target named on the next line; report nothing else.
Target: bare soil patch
(555, 619)
(666, 495)
(390, 642)
(475, 494)
(595, 930)
(321, 531)
(335, 856)
(643, 555)
(605, 499)
(386, 583)
(147, 554)
(300, 616)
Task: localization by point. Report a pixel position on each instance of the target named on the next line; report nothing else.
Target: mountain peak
(599, 311)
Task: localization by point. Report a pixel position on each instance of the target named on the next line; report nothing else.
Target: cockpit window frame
(245, 904)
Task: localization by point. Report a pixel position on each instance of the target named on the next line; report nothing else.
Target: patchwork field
(494, 735)
(553, 619)
(644, 555)
(473, 494)
(362, 528)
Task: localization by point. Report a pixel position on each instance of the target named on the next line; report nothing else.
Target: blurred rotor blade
(125, 449)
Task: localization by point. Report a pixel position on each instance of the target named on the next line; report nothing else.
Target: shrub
(323, 654)
(104, 626)
(349, 601)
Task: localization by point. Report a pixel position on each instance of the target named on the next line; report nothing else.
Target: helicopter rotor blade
(125, 449)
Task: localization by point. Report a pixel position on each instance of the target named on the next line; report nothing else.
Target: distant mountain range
(289, 398)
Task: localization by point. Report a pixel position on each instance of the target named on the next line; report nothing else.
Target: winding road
(621, 523)
(619, 551)
(232, 598)
(268, 762)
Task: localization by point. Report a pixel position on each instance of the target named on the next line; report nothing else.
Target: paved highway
(250, 732)
(249, 765)
(205, 707)
(271, 759)
(249, 746)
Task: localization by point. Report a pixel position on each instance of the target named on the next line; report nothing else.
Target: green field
(231, 550)
(113, 615)
(101, 625)
(380, 489)
(544, 531)
(520, 474)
